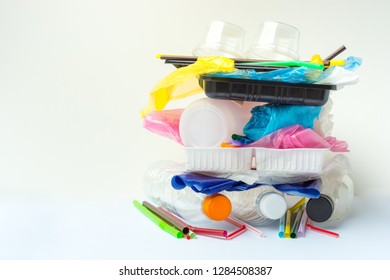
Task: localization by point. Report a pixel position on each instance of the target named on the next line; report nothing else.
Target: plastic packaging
(209, 184)
(288, 75)
(304, 161)
(218, 159)
(275, 41)
(258, 206)
(183, 83)
(293, 137)
(270, 117)
(208, 122)
(271, 91)
(164, 123)
(223, 38)
(334, 203)
(192, 207)
(337, 192)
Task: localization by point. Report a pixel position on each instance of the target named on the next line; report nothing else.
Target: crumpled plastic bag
(294, 75)
(336, 75)
(271, 117)
(297, 136)
(180, 83)
(343, 75)
(210, 185)
(164, 123)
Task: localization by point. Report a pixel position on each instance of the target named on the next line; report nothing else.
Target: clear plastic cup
(224, 39)
(275, 41)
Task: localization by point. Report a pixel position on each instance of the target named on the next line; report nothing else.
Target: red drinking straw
(320, 230)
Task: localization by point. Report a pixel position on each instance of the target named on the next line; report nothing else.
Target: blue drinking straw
(282, 221)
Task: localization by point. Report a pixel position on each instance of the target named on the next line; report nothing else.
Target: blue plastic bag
(271, 117)
(210, 185)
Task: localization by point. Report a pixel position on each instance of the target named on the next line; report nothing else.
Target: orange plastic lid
(217, 207)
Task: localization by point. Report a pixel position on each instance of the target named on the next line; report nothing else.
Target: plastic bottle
(334, 203)
(191, 206)
(258, 206)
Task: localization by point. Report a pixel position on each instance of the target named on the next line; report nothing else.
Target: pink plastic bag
(164, 123)
(298, 137)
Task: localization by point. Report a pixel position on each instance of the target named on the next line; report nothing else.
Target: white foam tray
(218, 159)
(290, 160)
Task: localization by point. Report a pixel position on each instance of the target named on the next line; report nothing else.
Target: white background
(74, 76)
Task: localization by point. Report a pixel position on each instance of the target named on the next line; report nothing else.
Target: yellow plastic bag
(183, 83)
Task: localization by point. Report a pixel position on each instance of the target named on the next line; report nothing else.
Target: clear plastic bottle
(191, 206)
(335, 201)
(258, 206)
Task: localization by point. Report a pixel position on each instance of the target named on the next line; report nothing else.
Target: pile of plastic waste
(258, 141)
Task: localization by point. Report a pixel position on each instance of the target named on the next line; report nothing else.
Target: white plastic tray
(290, 160)
(218, 159)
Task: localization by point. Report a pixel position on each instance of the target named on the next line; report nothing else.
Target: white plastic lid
(273, 206)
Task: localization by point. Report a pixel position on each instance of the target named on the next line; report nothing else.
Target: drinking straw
(335, 53)
(296, 222)
(236, 233)
(194, 58)
(320, 230)
(302, 225)
(288, 221)
(192, 235)
(238, 222)
(282, 222)
(297, 205)
(289, 63)
(159, 222)
(197, 230)
(166, 217)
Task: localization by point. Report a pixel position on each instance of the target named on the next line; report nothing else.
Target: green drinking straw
(161, 224)
(290, 63)
(297, 221)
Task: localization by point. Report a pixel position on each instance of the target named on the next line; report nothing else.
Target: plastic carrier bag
(271, 117)
(183, 83)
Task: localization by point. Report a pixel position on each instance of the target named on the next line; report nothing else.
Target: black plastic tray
(265, 91)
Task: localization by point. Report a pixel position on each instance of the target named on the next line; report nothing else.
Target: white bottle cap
(273, 206)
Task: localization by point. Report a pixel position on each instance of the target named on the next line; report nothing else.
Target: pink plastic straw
(197, 230)
(302, 225)
(236, 233)
(209, 231)
(238, 222)
(323, 231)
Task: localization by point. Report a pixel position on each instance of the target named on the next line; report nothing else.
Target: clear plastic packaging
(258, 206)
(275, 41)
(192, 207)
(337, 192)
(334, 203)
(223, 38)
